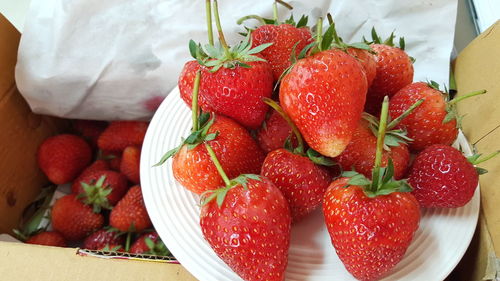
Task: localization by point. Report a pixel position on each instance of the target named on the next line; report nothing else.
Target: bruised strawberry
(130, 213)
(130, 164)
(48, 238)
(102, 238)
(120, 134)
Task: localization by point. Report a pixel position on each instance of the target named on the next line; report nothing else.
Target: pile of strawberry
(289, 120)
(105, 210)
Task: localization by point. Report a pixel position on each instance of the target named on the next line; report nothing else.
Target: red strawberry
(324, 95)
(434, 122)
(63, 157)
(73, 219)
(90, 129)
(150, 244)
(368, 62)
(250, 228)
(99, 191)
(115, 163)
(129, 165)
(442, 177)
(120, 134)
(370, 235)
(48, 238)
(273, 133)
(98, 165)
(102, 238)
(130, 213)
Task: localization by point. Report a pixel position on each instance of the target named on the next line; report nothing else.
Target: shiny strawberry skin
(236, 93)
(48, 238)
(130, 212)
(120, 134)
(368, 62)
(425, 124)
(114, 180)
(324, 95)
(442, 177)
(250, 232)
(73, 219)
(236, 150)
(370, 235)
(283, 38)
(274, 133)
(99, 239)
(360, 154)
(130, 164)
(394, 71)
(302, 182)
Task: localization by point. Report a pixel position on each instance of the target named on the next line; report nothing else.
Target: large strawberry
(63, 157)
(120, 134)
(435, 121)
(394, 71)
(442, 176)
(234, 80)
(48, 238)
(102, 238)
(74, 219)
(371, 223)
(102, 189)
(324, 95)
(130, 213)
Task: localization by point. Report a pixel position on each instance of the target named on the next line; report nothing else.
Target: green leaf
(391, 140)
(253, 177)
(388, 172)
(221, 195)
(481, 171)
(167, 155)
(359, 179)
(319, 159)
(194, 137)
(375, 38)
(349, 174)
(302, 21)
(402, 44)
(192, 146)
(149, 243)
(212, 51)
(449, 116)
(212, 136)
(304, 51)
(361, 45)
(243, 64)
(204, 199)
(259, 48)
(193, 49)
(203, 118)
(328, 37)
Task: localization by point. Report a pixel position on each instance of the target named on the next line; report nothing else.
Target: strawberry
(90, 130)
(394, 71)
(273, 133)
(73, 219)
(112, 248)
(102, 238)
(234, 80)
(149, 244)
(98, 165)
(380, 216)
(120, 134)
(443, 177)
(367, 60)
(324, 95)
(434, 122)
(129, 165)
(63, 157)
(48, 238)
(115, 163)
(101, 188)
(130, 213)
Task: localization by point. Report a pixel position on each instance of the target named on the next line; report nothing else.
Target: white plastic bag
(118, 59)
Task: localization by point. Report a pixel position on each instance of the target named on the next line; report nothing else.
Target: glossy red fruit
(130, 213)
(73, 219)
(324, 95)
(102, 238)
(359, 155)
(140, 246)
(442, 177)
(63, 157)
(114, 181)
(250, 231)
(274, 132)
(302, 182)
(370, 235)
(236, 92)
(234, 147)
(98, 165)
(394, 71)
(130, 164)
(283, 38)
(120, 134)
(48, 238)
(90, 129)
(368, 62)
(425, 124)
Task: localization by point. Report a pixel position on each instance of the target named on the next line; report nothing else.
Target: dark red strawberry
(101, 188)
(130, 213)
(120, 134)
(434, 122)
(274, 132)
(102, 238)
(73, 219)
(48, 238)
(63, 157)
(130, 163)
(98, 165)
(443, 177)
(90, 129)
(150, 244)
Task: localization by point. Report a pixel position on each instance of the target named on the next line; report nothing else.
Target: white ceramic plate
(438, 246)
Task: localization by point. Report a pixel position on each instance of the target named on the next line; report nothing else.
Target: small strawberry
(435, 121)
(234, 80)
(130, 213)
(371, 223)
(274, 132)
(102, 238)
(130, 163)
(101, 188)
(73, 219)
(48, 238)
(394, 71)
(90, 130)
(120, 134)
(149, 244)
(443, 177)
(63, 157)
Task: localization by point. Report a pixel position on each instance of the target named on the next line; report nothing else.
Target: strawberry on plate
(48, 238)
(274, 132)
(130, 213)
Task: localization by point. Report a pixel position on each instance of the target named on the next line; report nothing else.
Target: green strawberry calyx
(157, 248)
(478, 158)
(383, 182)
(338, 42)
(95, 194)
(376, 39)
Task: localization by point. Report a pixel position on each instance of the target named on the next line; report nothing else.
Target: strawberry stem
(222, 39)
(277, 107)
(194, 105)
(128, 241)
(380, 139)
(319, 32)
(486, 158)
(275, 12)
(396, 121)
(330, 18)
(475, 93)
(218, 165)
(208, 12)
(288, 6)
(260, 19)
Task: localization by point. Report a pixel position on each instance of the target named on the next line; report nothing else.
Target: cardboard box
(478, 66)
